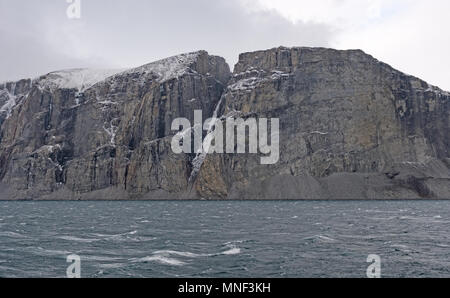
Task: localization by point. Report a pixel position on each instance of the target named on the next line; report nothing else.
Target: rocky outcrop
(110, 138)
(351, 127)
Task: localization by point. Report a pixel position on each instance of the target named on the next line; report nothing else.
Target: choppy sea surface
(225, 239)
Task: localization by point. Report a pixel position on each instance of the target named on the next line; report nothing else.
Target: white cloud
(411, 35)
(415, 41)
(124, 33)
(341, 13)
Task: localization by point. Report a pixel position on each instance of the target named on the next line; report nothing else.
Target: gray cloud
(37, 37)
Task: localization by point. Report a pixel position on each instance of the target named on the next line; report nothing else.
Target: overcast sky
(37, 36)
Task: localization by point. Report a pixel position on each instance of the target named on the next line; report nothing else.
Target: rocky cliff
(351, 127)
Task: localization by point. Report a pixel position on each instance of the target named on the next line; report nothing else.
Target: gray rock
(351, 127)
(346, 119)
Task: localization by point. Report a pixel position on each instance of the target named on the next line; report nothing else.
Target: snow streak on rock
(10, 102)
(80, 79)
(200, 157)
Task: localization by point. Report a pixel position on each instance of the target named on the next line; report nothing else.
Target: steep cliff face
(88, 135)
(350, 127)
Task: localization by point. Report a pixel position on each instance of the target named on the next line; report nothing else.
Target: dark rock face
(110, 140)
(351, 127)
(346, 119)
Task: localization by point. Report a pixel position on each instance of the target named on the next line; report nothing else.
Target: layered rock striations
(109, 139)
(351, 127)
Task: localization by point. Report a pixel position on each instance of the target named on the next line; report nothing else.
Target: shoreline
(231, 200)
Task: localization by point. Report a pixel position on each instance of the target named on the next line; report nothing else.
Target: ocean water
(225, 239)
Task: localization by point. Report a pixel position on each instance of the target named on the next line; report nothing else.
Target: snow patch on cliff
(80, 79)
(111, 130)
(246, 84)
(252, 78)
(10, 102)
(169, 68)
(437, 90)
